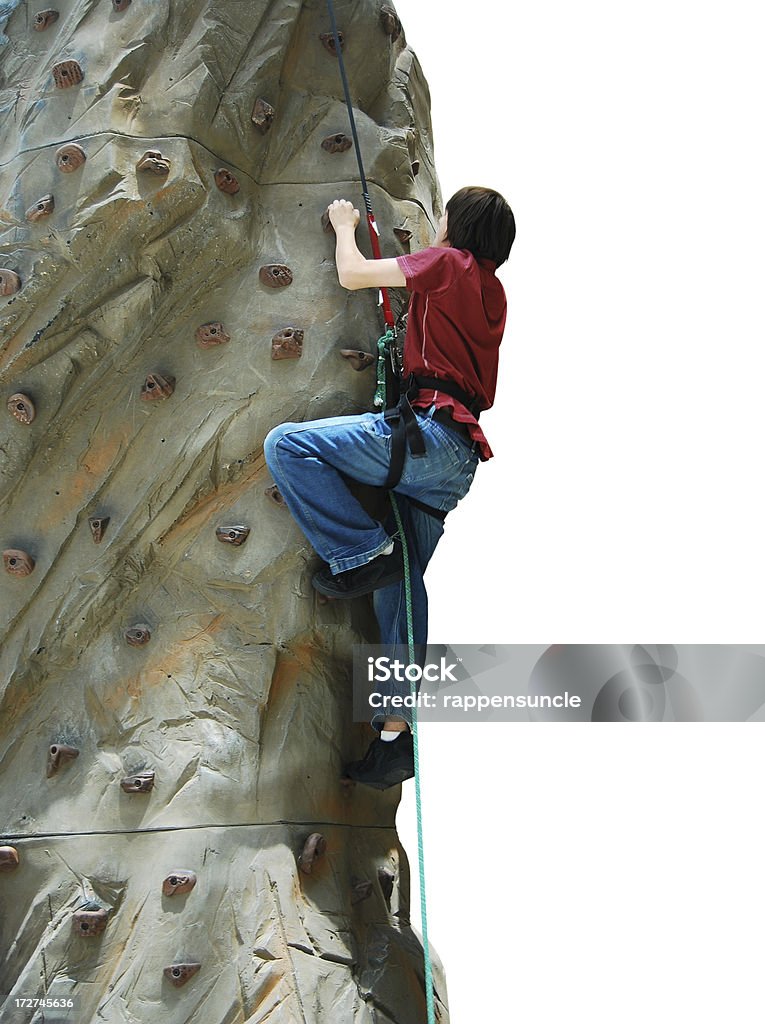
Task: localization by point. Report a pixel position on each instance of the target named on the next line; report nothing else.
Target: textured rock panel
(159, 650)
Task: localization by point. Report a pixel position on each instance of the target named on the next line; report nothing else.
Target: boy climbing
(426, 449)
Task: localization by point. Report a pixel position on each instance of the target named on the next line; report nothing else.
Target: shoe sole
(397, 778)
(328, 591)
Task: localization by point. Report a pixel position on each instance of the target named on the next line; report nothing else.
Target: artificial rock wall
(174, 702)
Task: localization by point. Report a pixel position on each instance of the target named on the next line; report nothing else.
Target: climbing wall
(174, 702)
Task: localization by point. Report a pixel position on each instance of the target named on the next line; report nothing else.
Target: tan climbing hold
(263, 115)
(10, 282)
(42, 208)
(70, 157)
(44, 19)
(359, 360)
(152, 162)
(179, 882)
(9, 858)
(179, 974)
(337, 143)
(18, 563)
(22, 408)
(143, 782)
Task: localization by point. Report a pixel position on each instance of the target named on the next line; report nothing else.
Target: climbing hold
(328, 40)
(156, 386)
(235, 535)
(263, 115)
(179, 882)
(98, 526)
(275, 495)
(415, 168)
(402, 234)
(313, 848)
(67, 73)
(10, 282)
(9, 858)
(154, 163)
(42, 208)
(179, 974)
(226, 181)
(287, 344)
(275, 275)
(390, 22)
(88, 923)
(22, 407)
(138, 636)
(386, 879)
(360, 891)
(121, 5)
(43, 20)
(18, 563)
(359, 360)
(326, 223)
(336, 143)
(209, 335)
(143, 782)
(59, 754)
(70, 157)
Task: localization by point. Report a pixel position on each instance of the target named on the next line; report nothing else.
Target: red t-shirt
(457, 313)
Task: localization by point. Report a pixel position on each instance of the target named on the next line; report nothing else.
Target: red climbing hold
(313, 848)
(59, 754)
(66, 74)
(287, 344)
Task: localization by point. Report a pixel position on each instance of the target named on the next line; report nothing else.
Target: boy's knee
(273, 437)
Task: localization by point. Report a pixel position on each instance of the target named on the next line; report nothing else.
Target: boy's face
(441, 239)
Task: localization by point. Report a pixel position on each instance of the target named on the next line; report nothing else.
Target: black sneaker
(380, 572)
(385, 764)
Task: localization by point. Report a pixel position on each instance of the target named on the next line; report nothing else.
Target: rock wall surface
(175, 707)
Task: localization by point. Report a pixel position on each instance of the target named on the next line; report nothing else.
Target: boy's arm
(353, 269)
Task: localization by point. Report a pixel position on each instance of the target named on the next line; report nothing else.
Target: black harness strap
(405, 430)
(437, 513)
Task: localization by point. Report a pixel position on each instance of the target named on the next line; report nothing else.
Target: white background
(608, 874)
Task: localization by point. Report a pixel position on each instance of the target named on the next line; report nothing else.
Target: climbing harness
(386, 361)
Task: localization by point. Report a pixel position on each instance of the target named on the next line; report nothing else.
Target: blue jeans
(307, 461)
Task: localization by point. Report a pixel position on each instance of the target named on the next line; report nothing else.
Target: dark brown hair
(481, 221)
